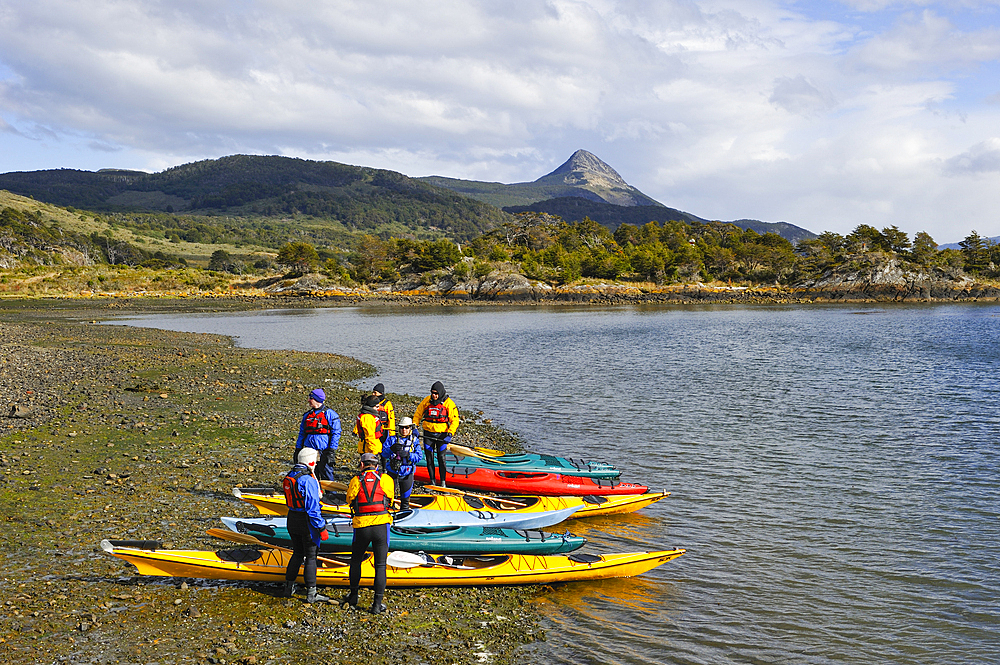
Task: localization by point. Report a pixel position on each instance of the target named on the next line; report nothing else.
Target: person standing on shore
(400, 454)
(320, 430)
(386, 412)
(306, 524)
(438, 416)
(370, 496)
(368, 427)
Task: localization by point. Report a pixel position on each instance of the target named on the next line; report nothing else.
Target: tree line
(546, 248)
(540, 246)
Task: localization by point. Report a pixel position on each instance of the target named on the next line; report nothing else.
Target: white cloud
(982, 158)
(927, 42)
(797, 95)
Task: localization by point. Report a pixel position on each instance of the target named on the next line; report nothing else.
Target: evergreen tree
(975, 249)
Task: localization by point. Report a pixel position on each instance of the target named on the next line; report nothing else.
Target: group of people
(389, 454)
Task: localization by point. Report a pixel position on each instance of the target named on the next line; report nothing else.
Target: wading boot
(288, 590)
(377, 606)
(350, 600)
(312, 596)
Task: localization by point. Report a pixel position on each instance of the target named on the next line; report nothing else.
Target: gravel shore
(125, 433)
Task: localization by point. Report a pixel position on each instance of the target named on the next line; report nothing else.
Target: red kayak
(529, 482)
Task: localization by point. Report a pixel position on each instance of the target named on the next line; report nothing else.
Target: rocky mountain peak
(585, 166)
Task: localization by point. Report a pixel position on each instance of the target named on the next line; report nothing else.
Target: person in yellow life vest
(370, 495)
(368, 427)
(386, 412)
(438, 416)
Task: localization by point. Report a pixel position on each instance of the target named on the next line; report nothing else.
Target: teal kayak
(534, 462)
(436, 539)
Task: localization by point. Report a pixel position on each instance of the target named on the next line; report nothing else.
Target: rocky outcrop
(882, 277)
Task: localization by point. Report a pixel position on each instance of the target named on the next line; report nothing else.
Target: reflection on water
(630, 531)
(640, 595)
(833, 476)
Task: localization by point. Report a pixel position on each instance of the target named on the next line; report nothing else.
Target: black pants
(303, 548)
(404, 486)
(325, 464)
(434, 446)
(376, 539)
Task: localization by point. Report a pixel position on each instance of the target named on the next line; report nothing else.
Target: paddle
(462, 451)
(449, 490)
(489, 451)
(247, 539)
(411, 560)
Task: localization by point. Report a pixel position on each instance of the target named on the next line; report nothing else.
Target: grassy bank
(141, 434)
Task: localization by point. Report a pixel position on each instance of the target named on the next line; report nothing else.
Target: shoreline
(139, 433)
(304, 293)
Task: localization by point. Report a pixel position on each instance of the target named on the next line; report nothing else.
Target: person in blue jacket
(401, 454)
(320, 429)
(306, 524)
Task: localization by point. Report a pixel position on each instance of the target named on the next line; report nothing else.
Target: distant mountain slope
(585, 186)
(955, 245)
(583, 175)
(573, 209)
(360, 198)
(790, 232)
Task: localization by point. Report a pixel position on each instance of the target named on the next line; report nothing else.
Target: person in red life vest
(401, 452)
(438, 416)
(306, 524)
(368, 427)
(386, 412)
(320, 429)
(370, 496)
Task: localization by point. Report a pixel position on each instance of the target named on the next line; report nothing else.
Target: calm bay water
(833, 469)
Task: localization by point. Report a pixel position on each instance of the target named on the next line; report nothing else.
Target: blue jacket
(308, 488)
(320, 441)
(407, 462)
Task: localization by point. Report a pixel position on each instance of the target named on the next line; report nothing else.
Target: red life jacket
(436, 413)
(294, 498)
(378, 426)
(316, 423)
(383, 415)
(371, 500)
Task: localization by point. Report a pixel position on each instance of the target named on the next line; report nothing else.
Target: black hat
(379, 388)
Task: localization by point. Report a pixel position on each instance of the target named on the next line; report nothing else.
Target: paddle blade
(333, 485)
(462, 451)
(234, 536)
(404, 560)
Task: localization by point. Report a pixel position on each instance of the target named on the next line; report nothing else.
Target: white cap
(405, 421)
(308, 456)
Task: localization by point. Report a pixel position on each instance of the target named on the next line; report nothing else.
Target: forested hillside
(45, 249)
(254, 187)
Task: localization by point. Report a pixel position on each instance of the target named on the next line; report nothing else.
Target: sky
(819, 113)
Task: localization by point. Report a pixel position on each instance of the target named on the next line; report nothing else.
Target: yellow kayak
(266, 565)
(272, 502)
